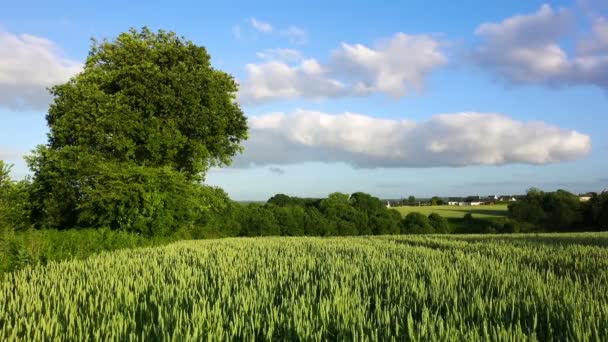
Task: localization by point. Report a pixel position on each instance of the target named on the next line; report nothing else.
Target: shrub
(416, 223)
(439, 223)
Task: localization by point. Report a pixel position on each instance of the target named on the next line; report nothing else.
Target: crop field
(453, 211)
(516, 287)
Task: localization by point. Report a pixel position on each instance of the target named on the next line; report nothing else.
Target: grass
(452, 211)
(414, 288)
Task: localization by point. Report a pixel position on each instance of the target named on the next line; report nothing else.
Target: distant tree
(257, 220)
(436, 201)
(291, 219)
(348, 220)
(280, 200)
(551, 211)
(562, 210)
(596, 211)
(439, 223)
(385, 222)
(366, 203)
(528, 211)
(137, 128)
(416, 223)
(411, 200)
(316, 224)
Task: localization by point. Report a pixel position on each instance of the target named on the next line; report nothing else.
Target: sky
(392, 98)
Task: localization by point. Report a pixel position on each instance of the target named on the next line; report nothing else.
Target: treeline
(337, 215)
(561, 211)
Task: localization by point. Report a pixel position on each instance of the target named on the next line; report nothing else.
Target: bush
(551, 211)
(30, 247)
(416, 223)
(439, 223)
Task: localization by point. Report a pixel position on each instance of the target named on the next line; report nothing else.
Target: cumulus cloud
(28, 65)
(277, 80)
(525, 49)
(393, 67)
(444, 140)
(260, 25)
(287, 55)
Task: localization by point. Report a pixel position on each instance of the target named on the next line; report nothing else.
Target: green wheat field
(419, 288)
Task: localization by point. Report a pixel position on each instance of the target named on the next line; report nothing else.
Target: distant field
(452, 211)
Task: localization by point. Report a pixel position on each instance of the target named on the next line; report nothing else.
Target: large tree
(147, 110)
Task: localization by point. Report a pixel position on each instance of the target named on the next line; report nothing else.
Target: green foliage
(257, 220)
(390, 288)
(32, 247)
(436, 201)
(556, 211)
(596, 212)
(291, 220)
(14, 201)
(152, 99)
(439, 223)
(416, 223)
(132, 136)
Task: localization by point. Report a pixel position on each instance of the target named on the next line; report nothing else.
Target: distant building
(388, 204)
(462, 204)
(584, 198)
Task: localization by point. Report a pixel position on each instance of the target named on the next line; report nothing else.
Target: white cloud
(287, 55)
(526, 49)
(28, 65)
(236, 31)
(277, 80)
(392, 67)
(260, 25)
(597, 43)
(444, 140)
(295, 34)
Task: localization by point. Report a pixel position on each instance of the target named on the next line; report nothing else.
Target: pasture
(469, 288)
(452, 211)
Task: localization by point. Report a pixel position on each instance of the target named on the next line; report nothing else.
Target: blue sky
(346, 96)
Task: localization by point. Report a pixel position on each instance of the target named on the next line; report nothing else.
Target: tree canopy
(133, 134)
(149, 98)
